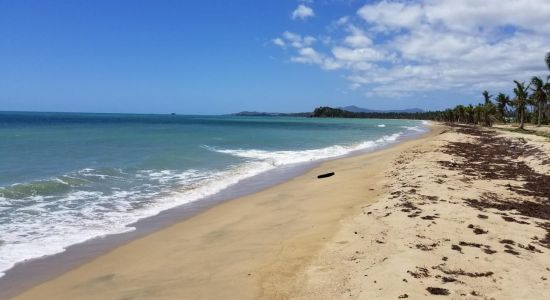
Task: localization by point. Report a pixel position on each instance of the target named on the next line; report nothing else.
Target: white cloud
(309, 55)
(397, 48)
(488, 14)
(297, 41)
(357, 55)
(302, 12)
(357, 38)
(427, 43)
(304, 51)
(279, 42)
(392, 15)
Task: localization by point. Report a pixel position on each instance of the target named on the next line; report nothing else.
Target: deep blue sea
(69, 177)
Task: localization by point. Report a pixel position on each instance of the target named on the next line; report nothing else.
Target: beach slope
(251, 247)
(461, 212)
(467, 216)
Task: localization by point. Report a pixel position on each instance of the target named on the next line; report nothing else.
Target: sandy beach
(466, 216)
(461, 212)
(174, 150)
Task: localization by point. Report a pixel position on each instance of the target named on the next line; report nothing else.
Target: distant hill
(351, 111)
(329, 112)
(356, 109)
(269, 114)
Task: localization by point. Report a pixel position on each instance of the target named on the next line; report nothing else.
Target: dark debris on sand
(438, 291)
(426, 247)
(477, 229)
(486, 248)
(495, 157)
(460, 272)
(420, 273)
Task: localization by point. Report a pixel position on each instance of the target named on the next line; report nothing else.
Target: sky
(219, 56)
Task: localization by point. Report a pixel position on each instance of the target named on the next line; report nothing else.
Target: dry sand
(248, 248)
(459, 212)
(467, 215)
(545, 129)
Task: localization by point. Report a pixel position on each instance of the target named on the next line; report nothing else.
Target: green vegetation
(529, 104)
(329, 112)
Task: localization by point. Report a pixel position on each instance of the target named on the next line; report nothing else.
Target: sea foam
(47, 225)
(279, 158)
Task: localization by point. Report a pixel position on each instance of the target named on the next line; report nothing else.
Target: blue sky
(212, 57)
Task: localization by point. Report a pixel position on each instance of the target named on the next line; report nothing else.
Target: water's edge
(33, 272)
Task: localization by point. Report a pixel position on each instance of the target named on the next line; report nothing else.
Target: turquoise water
(66, 177)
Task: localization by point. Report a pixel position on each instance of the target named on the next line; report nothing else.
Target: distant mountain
(361, 112)
(329, 112)
(353, 108)
(269, 114)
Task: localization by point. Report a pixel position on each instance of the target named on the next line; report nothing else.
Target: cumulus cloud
(357, 38)
(304, 52)
(302, 12)
(396, 48)
(296, 40)
(357, 55)
(309, 55)
(279, 42)
(392, 15)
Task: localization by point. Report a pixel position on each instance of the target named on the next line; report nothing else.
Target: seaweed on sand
(495, 157)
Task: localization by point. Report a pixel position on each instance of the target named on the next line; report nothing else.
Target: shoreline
(27, 274)
(37, 271)
(466, 215)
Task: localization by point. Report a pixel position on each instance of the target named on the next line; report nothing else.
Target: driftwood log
(325, 175)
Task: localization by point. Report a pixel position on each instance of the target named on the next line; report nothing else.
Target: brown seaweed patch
(460, 272)
(507, 241)
(456, 248)
(425, 247)
(509, 249)
(437, 291)
(494, 157)
(420, 272)
(529, 247)
(511, 219)
(477, 229)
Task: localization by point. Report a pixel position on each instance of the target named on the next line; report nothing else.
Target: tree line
(329, 112)
(529, 103)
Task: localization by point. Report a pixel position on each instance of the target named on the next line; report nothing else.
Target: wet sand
(461, 213)
(247, 248)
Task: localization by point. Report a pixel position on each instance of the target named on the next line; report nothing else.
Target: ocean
(69, 177)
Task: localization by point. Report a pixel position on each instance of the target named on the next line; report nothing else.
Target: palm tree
(521, 101)
(478, 112)
(449, 115)
(546, 87)
(539, 96)
(502, 101)
(488, 109)
(459, 114)
(486, 96)
(470, 114)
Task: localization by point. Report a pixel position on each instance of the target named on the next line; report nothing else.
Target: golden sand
(393, 223)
